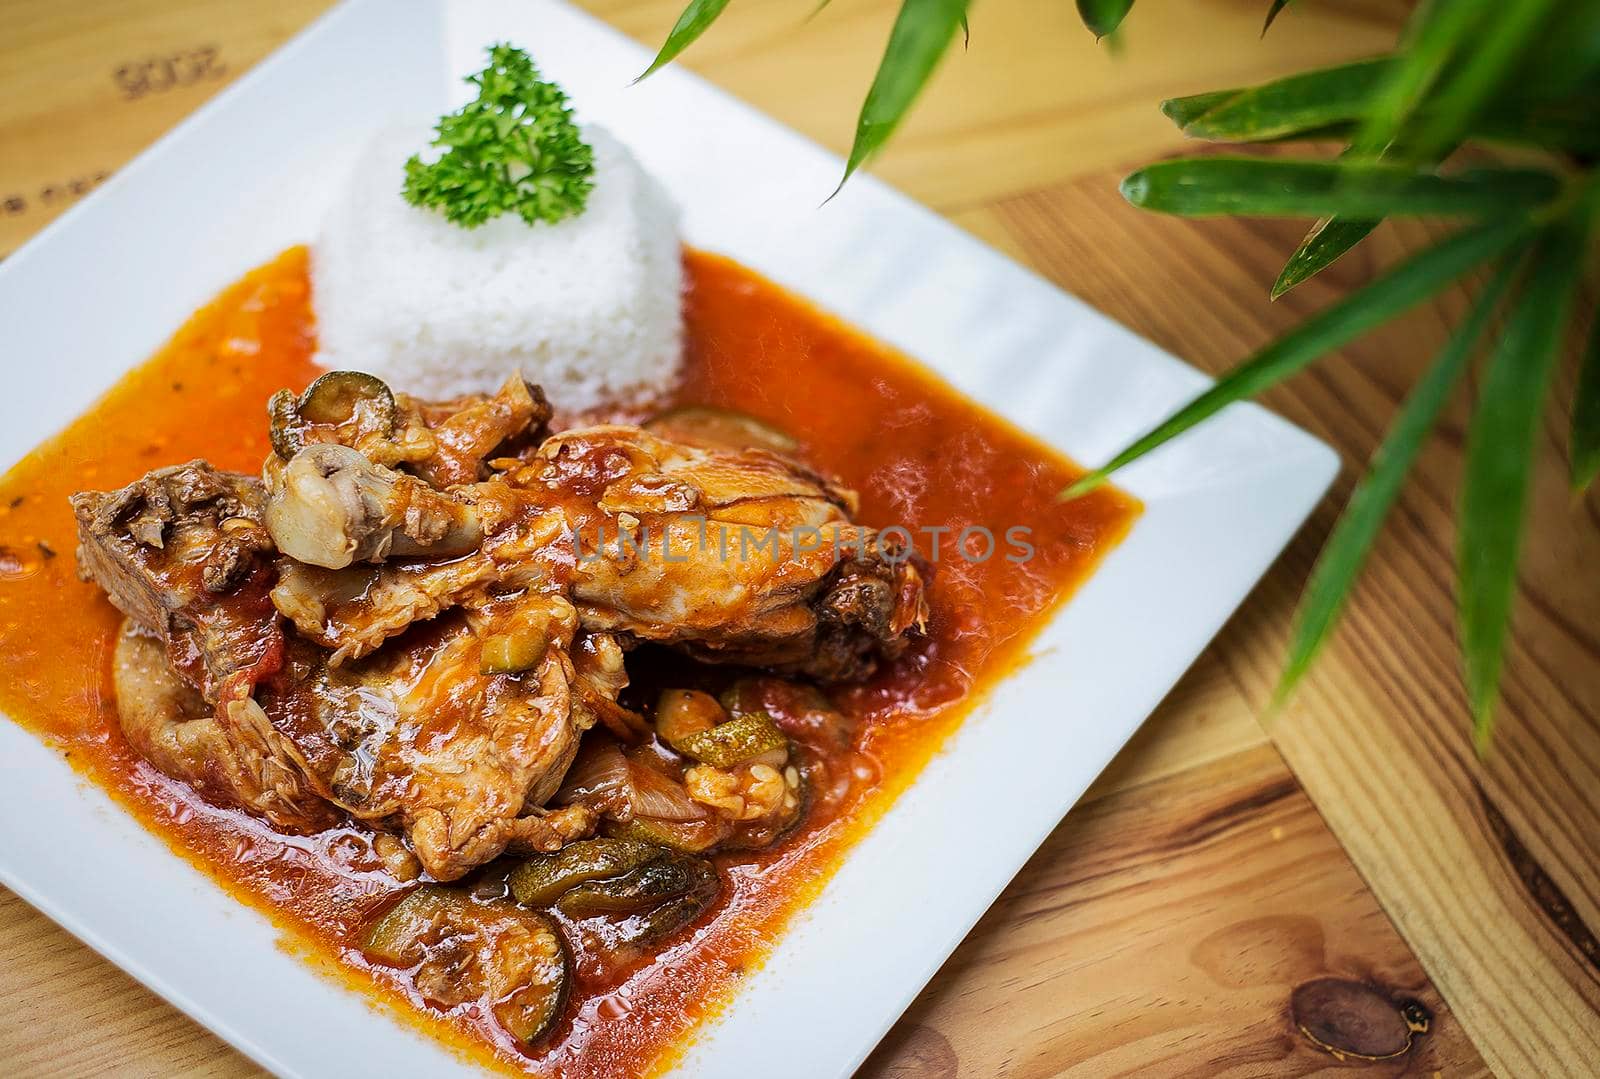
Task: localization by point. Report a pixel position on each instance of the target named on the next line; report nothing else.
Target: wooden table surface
(1224, 881)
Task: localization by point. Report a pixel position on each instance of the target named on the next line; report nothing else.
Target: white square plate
(247, 176)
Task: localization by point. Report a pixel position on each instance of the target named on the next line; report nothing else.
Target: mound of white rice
(590, 308)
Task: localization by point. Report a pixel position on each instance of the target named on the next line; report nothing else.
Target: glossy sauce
(918, 453)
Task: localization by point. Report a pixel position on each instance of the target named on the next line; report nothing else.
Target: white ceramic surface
(247, 176)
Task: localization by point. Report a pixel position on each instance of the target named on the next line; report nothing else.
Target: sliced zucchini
(514, 651)
(674, 914)
(690, 836)
(541, 880)
(335, 398)
(502, 956)
(734, 742)
(634, 891)
(653, 890)
(393, 938)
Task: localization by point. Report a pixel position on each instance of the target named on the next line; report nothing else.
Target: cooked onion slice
(622, 789)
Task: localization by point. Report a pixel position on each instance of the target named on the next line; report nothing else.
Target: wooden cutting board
(1225, 889)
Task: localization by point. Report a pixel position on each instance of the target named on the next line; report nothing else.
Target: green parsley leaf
(514, 150)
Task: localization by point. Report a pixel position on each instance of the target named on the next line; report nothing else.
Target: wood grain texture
(1163, 930)
(1033, 100)
(67, 1012)
(90, 83)
(1491, 869)
(1092, 963)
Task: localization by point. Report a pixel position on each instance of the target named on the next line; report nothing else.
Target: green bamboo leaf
(1269, 187)
(1551, 124)
(1346, 550)
(1436, 32)
(699, 15)
(1566, 124)
(1585, 445)
(1335, 132)
(1313, 101)
(1103, 16)
(1324, 245)
(1407, 284)
(1500, 445)
(1480, 74)
(1331, 103)
(1272, 15)
(922, 33)
(1566, 55)
(1185, 110)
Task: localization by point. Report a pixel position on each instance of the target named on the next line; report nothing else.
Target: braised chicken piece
(167, 548)
(445, 443)
(424, 740)
(455, 739)
(357, 469)
(230, 754)
(735, 556)
(467, 431)
(353, 611)
(421, 739)
(418, 612)
(330, 506)
(182, 553)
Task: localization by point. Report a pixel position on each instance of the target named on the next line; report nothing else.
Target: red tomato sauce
(920, 455)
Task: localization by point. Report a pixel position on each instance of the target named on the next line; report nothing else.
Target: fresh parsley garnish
(515, 150)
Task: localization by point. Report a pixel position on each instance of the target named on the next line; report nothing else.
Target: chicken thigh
(738, 556)
(423, 740)
(735, 556)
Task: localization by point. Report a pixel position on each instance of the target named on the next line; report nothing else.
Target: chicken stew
(472, 696)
